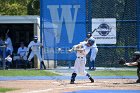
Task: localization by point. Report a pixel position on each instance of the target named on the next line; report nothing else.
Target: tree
(19, 7)
(33, 7)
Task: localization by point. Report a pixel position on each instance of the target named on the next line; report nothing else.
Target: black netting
(120, 9)
(125, 13)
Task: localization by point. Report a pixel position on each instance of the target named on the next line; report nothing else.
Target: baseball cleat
(138, 81)
(92, 80)
(71, 82)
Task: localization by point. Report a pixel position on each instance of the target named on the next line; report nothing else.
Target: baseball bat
(7, 32)
(94, 30)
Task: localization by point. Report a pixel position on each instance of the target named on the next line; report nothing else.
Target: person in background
(134, 62)
(35, 46)
(1, 41)
(22, 55)
(1, 53)
(93, 52)
(9, 42)
(8, 58)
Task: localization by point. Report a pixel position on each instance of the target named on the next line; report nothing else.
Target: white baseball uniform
(22, 52)
(35, 47)
(79, 66)
(93, 48)
(94, 51)
(9, 43)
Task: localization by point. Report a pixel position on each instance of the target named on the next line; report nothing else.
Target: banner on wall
(63, 24)
(104, 30)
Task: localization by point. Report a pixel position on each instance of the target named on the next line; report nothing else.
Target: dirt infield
(61, 86)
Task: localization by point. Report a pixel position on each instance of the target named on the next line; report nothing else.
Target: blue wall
(63, 24)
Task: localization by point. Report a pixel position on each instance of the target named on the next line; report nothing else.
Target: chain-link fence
(2, 56)
(125, 13)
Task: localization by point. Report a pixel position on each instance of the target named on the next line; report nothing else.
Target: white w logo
(64, 15)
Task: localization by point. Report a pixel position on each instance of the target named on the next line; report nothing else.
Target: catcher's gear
(122, 61)
(137, 53)
(136, 56)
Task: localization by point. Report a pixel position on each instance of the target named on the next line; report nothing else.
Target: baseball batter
(35, 47)
(82, 50)
(9, 42)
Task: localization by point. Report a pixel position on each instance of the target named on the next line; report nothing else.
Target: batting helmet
(91, 41)
(137, 53)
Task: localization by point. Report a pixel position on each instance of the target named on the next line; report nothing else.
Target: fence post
(4, 56)
(89, 16)
(138, 24)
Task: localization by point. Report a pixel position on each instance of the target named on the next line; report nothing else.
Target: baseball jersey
(1, 42)
(35, 46)
(22, 51)
(94, 50)
(79, 66)
(8, 51)
(9, 43)
(94, 45)
(84, 52)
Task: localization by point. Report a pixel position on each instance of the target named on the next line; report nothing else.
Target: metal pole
(138, 24)
(89, 17)
(41, 27)
(4, 56)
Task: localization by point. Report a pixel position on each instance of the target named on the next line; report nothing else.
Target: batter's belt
(80, 57)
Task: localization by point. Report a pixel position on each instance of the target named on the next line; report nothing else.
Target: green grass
(4, 90)
(51, 73)
(113, 73)
(27, 73)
